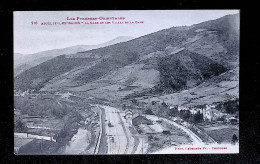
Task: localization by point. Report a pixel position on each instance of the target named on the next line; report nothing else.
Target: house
(182, 108)
(212, 106)
(233, 120)
(177, 120)
(139, 119)
(128, 116)
(207, 114)
(166, 131)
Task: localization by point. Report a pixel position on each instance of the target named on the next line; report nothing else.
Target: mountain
(218, 89)
(18, 58)
(25, 62)
(162, 63)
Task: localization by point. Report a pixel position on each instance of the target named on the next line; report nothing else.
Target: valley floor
(105, 130)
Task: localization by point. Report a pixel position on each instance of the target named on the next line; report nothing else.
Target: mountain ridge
(30, 60)
(194, 54)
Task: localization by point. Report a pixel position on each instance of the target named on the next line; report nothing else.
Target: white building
(129, 116)
(207, 114)
(66, 95)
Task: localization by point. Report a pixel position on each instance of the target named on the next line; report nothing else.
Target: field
(175, 138)
(36, 147)
(221, 133)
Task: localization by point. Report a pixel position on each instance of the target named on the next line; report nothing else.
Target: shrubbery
(41, 107)
(72, 121)
(230, 106)
(20, 126)
(177, 69)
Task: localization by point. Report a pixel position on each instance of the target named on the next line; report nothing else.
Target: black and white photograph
(126, 82)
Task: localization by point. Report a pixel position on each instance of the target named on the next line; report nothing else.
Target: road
(117, 137)
(130, 138)
(194, 137)
(142, 146)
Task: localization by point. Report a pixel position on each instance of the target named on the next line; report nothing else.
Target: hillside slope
(217, 89)
(31, 60)
(163, 62)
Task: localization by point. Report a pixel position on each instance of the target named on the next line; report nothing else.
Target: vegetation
(173, 75)
(230, 106)
(234, 139)
(45, 105)
(164, 110)
(37, 147)
(38, 76)
(198, 117)
(174, 111)
(228, 30)
(72, 121)
(42, 106)
(223, 135)
(20, 126)
(149, 111)
(176, 70)
(191, 118)
(118, 59)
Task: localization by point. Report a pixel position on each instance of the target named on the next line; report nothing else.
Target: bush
(234, 139)
(42, 107)
(150, 137)
(149, 111)
(220, 119)
(20, 126)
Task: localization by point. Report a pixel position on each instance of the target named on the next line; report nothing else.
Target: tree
(191, 120)
(149, 111)
(134, 101)
(20, 126)
(163, 109)
(153, 102)
(234, 139)
(124, 107)
(163, 106)
(198, 117)
(220, 118)
(185, 114)
(173, 75)
(174, 111)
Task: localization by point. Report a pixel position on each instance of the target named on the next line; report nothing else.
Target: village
(146, 127)
(205, 121)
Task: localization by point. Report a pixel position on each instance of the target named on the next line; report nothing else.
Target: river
(78, 143)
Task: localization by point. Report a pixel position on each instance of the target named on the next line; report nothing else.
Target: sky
(29, 39)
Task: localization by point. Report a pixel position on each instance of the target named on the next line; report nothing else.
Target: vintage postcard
(126, 82)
